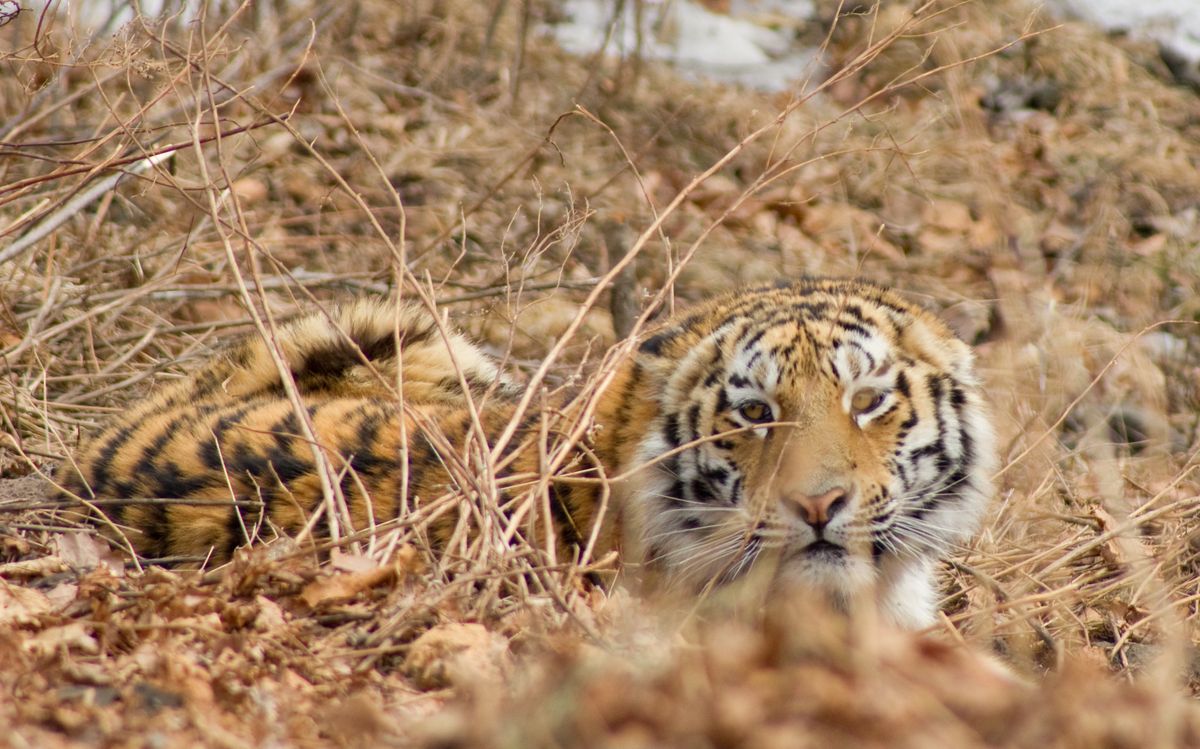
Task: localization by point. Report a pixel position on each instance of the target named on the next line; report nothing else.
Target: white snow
(91, 16)
(1175, 24)
(752, 45)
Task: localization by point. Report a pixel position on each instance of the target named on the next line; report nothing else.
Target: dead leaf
(40, 567)
(407, 561)
(456, 654)
(78, 550)
(948, 227)
(1110, 551)
(343, 587)
(843, 226)
(947, 215)
(82, 551)
(270, 615)
(358, 720)
(70, 636)
(250, 190)
(20, 605)
(339, 560)
(62, 594)
(1058, 238)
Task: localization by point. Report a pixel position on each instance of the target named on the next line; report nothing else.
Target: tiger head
(828, 429)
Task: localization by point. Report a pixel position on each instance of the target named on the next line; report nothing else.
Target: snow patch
(1175, 24)
(753, 45)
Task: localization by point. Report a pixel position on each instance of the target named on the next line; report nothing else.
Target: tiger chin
(824, 436)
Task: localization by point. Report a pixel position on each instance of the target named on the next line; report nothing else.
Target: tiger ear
(929, 339)
(672, 354)
(659, 344)
(654, 362)
(674, 339)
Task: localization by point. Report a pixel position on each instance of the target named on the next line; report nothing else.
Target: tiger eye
(755, 411)
(864, 400)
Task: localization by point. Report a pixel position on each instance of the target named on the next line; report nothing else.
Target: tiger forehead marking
(827, 434)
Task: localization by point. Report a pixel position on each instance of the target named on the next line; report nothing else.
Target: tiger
(821, 434)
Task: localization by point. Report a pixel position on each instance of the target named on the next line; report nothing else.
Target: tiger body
(822, 434)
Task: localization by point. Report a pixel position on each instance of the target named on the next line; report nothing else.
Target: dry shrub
(166, 183)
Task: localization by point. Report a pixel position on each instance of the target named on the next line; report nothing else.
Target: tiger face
(830, 430)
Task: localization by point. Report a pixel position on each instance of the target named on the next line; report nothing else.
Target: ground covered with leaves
(165, 183)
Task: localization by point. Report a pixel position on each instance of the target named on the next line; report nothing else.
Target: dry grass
(171, 183)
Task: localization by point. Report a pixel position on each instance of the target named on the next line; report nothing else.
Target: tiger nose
(818, 509)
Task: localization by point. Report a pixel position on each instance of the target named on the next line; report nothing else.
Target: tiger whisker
(713, 549)
(678, 531)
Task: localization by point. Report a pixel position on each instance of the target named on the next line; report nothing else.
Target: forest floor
(1035, 183)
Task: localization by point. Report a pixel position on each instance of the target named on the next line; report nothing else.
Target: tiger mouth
(823, 548)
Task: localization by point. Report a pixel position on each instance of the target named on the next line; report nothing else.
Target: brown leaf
(72, 636)
(40, 567)
(19, 605)
(81, 551)
(948, 215)
(62, 594)
(456, 654)
(358, 720)
(250, 190)
(1110, 551)
(270, 615)
(343, 587)
(78, 550)
(339, 560)
(838, 226)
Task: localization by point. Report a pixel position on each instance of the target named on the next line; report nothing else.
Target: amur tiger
(825, 433)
